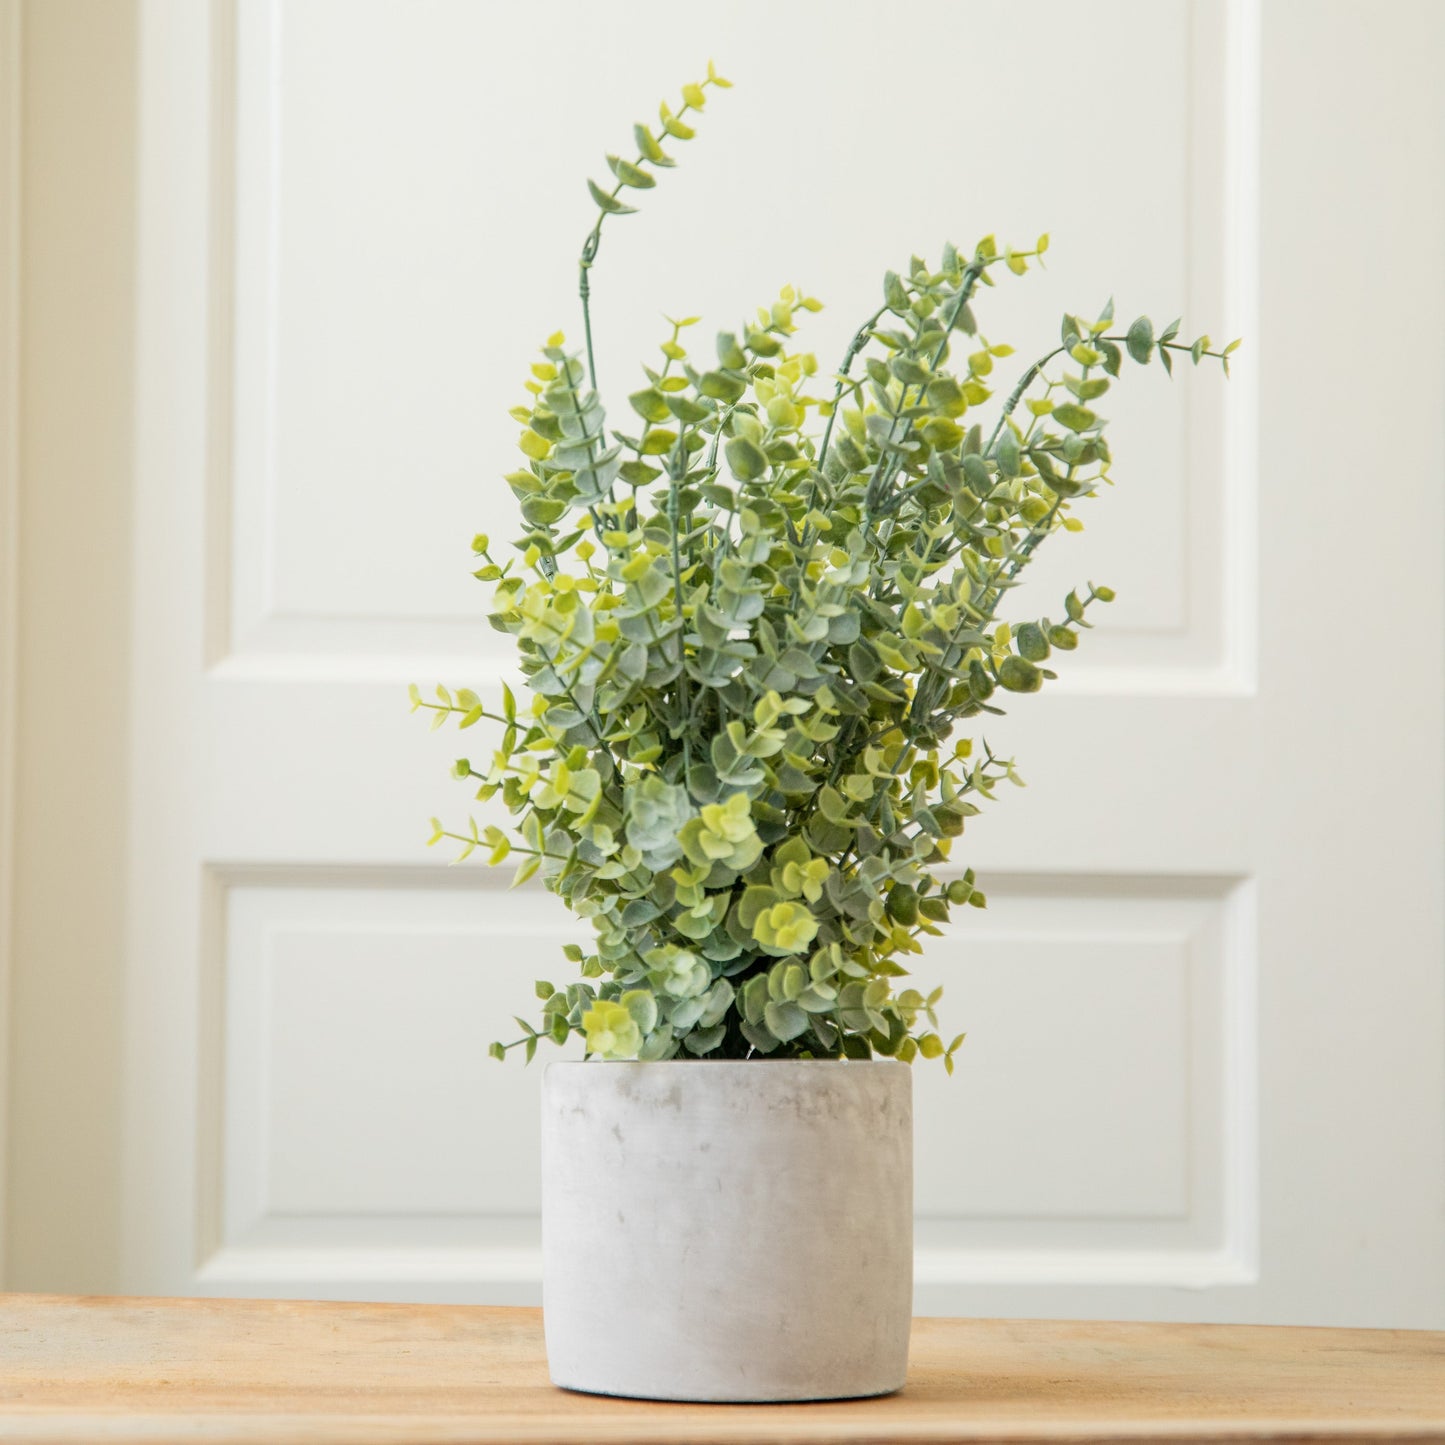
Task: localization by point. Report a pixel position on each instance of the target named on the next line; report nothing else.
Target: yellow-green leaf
(608, 203)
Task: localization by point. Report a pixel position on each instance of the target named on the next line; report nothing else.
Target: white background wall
(283, 266)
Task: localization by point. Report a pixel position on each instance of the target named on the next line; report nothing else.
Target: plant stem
(1034, 372)
(860, 340)
(454, 707)
(678, 462)
(584, 289)
(589, 255)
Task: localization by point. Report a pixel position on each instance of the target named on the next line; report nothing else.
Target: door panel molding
(306, 1186)
(282, 762)
(1207, 649)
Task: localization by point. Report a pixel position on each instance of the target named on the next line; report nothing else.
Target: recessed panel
(358, 1082)
(1091, 1102)
(1089, 1113)
(1070, 1098)
(410, 203)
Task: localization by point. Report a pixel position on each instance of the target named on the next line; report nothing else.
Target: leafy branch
(747, 663)
(636, 175)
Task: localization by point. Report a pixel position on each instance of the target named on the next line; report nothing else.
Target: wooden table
(87, 1370)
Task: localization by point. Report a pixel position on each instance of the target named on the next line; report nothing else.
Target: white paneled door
(1205, 1009)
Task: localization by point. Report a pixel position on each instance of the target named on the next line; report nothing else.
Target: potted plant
(751, 617)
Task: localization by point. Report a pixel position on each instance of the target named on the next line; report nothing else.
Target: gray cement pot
(728, 1230)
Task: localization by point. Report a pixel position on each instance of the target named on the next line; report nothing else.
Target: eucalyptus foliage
(751, 616)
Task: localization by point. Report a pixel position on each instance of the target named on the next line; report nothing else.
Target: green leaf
(1076, 418)
(641, 1003)
(1140, 339)
(755, 998)
(686, 410)
(945, 395)
(648, 147)
(542, 511)
(704, 1040)
(942, 434)
(1007, 453)
(631, 175)
(1032, 644)
(649, 404)
(672, 125)
(746, 459)
(1088, 390)
(608, 203)
(976, 475)
(909, 371)
(721, 387)
(637, 473)
(784, 1020)
(1018, 674)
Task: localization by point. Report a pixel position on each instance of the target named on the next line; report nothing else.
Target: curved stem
(860, 340)
(1017, 395)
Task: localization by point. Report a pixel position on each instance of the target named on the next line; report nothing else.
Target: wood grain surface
(88, 1370)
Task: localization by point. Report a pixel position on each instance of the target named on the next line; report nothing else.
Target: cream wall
(77, 172)
(9, 522)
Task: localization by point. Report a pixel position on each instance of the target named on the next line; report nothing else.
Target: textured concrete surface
(728, 1230)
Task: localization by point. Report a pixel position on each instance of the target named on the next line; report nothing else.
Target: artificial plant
(750, 619)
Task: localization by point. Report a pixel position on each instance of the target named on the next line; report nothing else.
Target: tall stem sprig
(634, 175)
